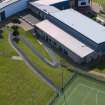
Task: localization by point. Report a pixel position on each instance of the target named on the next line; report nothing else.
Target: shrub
(15, 33)
(16, 20)
(15, 27)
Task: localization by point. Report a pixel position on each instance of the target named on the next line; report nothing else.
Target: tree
(15, 27)
(15, 33)
(16, 20)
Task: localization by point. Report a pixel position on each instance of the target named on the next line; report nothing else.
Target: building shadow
(87, 11)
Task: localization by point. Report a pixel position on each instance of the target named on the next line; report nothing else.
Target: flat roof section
(6, 3)
(30, 19)
(49, 2)
(82, 24)
(64, 38)
(44, 8)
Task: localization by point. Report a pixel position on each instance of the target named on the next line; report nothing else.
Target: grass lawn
(101, 2)
(83, 91)
(18, 85)
(52, 73)
(37, 46)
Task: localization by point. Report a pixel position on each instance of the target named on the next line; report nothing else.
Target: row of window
(55, 44)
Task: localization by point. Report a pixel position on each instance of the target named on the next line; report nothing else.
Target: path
(32, 66)
(52, 55)
(97, 73)
(32, 48)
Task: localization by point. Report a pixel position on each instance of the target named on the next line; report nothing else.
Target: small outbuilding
(11, 7)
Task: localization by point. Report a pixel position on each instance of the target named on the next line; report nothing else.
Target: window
(65, 52)
(49, 40)
(83, 3)
(46, 38)
(55, 43)
(60, 48)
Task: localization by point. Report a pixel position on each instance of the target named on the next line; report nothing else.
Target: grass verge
(52, 73)
(18, 85)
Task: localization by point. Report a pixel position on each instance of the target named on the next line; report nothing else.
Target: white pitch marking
(93, 88)
(97, 98)
(75, 89)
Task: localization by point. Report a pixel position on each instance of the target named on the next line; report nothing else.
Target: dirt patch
(16, 58)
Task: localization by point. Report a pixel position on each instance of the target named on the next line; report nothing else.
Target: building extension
(11, 7)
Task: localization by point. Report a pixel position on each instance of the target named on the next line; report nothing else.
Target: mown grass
(18, 84)
(55, 74)
(52, 73)
(34, 40)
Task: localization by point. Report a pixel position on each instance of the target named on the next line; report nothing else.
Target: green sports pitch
(83, 91)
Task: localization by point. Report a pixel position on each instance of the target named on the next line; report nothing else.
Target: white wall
(15, 7)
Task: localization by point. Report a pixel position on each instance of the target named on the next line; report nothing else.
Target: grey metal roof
(45, 8)
(6, 3)
(82, 24)
(65, 39)
(49, 2)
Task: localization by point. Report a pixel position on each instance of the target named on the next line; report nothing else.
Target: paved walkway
(32, 66)
(26, 26)
(97, 73)
(30, 46)
(51, 52)
(52, 55)
(92, 74)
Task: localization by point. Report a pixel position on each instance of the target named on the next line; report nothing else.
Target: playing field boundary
(75, 74)
(84, 99)
(98, 91)
(66, 84)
